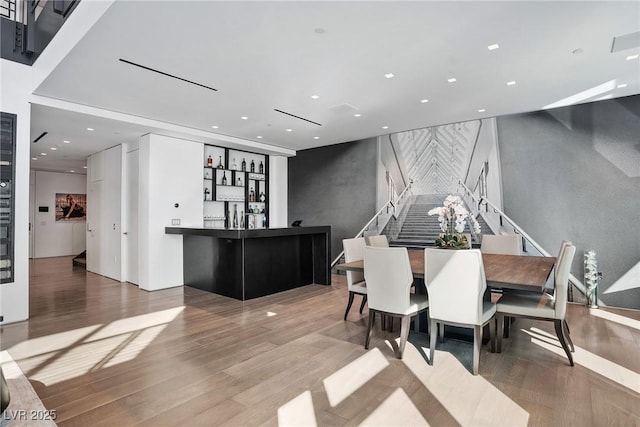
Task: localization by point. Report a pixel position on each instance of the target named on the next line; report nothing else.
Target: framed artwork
(71, 207)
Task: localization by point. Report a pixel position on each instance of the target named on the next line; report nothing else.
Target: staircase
(80, 260)
(420, 229)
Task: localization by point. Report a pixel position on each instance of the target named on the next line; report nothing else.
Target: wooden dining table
(521, 272)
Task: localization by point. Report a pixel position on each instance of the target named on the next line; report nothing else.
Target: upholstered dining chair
(506, 244)
(387, 272)
(354, 251)
(456, 284)
(545, 307)
(379, 241)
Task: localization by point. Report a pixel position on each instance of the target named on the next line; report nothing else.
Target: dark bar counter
(246, 264)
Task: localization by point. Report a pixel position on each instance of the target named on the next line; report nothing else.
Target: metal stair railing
(518, 230)
(390, 203)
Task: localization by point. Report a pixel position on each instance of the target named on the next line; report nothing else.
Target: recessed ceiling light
(84, 167)
(34, 158)
(389, 75)
(511, 83)
(357, 115)
(289, 130)
(632, 57)
(451, 80)
(72, 171)
(315, 96)
(424, 101)
(385, 127)
(53, 148)
(620, 86)
(66, 142)
(316, 137)
(577, 51)
(259, 136)
(214, 127)
(482, 110)
(244, 118)
(493, 46)
(43, 154)
(90, 129)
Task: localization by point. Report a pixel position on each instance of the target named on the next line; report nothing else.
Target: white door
(94, 224)
(130, 257)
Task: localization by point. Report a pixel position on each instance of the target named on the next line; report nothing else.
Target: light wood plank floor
(103, 353)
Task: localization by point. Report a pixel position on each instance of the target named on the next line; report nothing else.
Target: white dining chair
(546, 307)
(380, 241)
(506, 244)
(389, 278)
(456, 284)
(354, 251)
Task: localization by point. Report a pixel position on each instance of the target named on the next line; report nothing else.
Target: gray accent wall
(336, 186)
(574, 173)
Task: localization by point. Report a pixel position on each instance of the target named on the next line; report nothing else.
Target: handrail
(389, 202)
(573, 279)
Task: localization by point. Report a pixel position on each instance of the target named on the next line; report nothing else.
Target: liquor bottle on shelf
(261, 167)
(262, 197)
(209, 161)
(235, 216)
(241, 219)
(206, 175)
(220, 163)
(252, 195)
(252, 221)
(253, 166)
(262, 211)
(239, 182)
(264, 221)
(206, 193)
(234, 166)
(224, 178)
(244, 165)
(256, 209)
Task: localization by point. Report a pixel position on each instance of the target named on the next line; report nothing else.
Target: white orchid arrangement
(591, 277)
(453, 217)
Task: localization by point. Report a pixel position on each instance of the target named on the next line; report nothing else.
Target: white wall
(278, 192)
(57, 238)
(170, 173)
(104, 199)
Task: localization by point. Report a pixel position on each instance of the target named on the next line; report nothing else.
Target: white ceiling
(263, 56)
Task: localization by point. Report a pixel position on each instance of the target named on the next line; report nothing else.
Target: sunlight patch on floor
(298, 412)
(458, 391)
(397, 410)
(595, 363)
(616, 318)
(65, 355)
(348, 379)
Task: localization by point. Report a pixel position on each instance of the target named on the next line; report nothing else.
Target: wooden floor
(102, 353)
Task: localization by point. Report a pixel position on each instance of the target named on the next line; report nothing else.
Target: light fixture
(34, 158)
(385, 127)
(622, 85)
(244, 118)
(511, 83)
(424, 101)
(451, 80)
(632, 57)
(72, 171)
(84, 167)
(214, 127)
(389, 75)
(53, 148)
(90, 129)
(357, 115)
(259, 136)
(577, 51)
(289, 130)
(493, 46)
(43, 154)
(482, 110)
(66, 142)
(315, 96)
(316, 137)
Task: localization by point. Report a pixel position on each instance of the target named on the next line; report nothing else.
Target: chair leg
(477, 342)
(499, 333)
(506, 327)
(432, 340)
(567, 335)
(364, 301)
(560, 333)
(351, 295)
(492, 335)
(404, 334)
(391, 323)
(441, 332)
(367, 336)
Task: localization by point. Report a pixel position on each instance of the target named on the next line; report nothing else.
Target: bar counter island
(250, 263)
